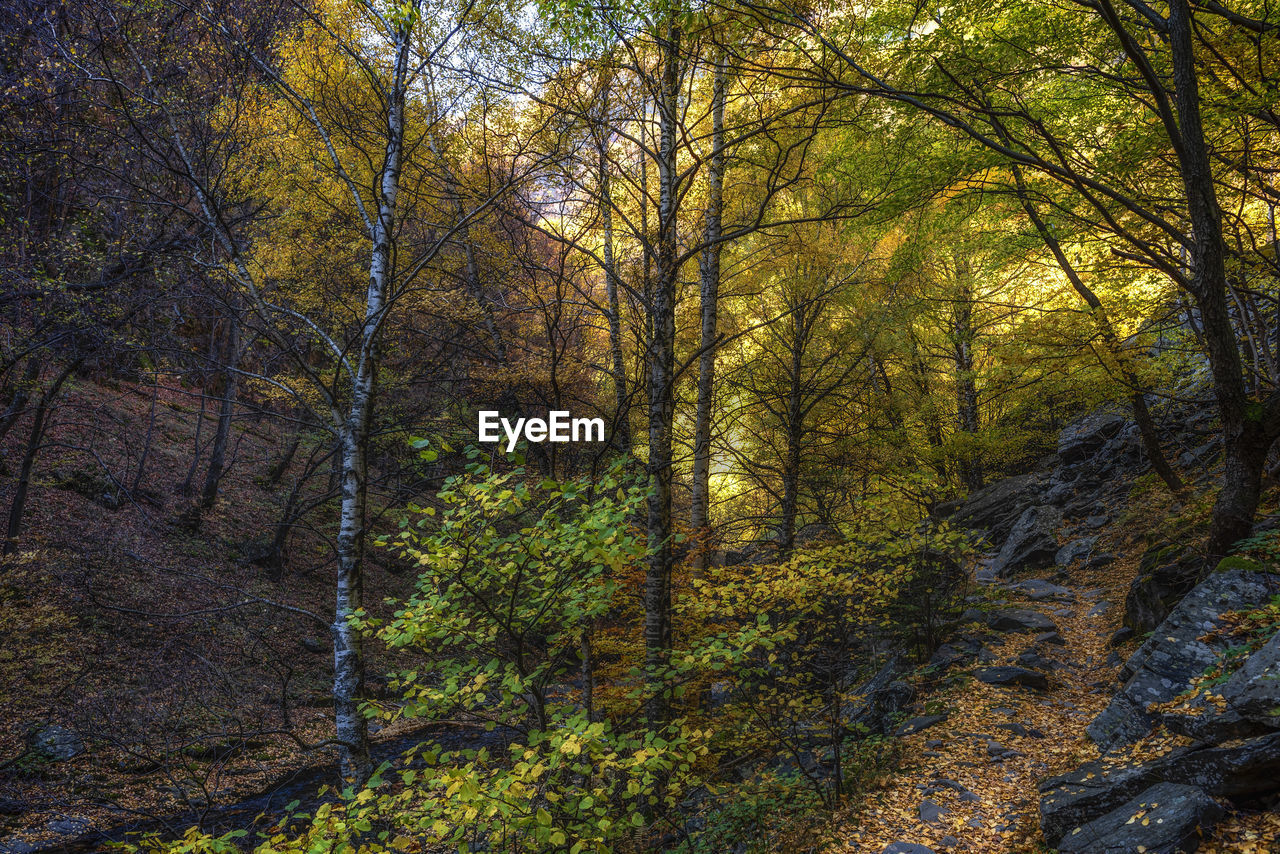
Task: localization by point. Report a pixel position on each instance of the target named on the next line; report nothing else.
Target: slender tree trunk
(795, 434)
(622, 415)
(709, 280)
(962, 335)
(217, 458)
(657, 593)
(282, 465)
(21, 395)
(1137, 398)
(39, 419)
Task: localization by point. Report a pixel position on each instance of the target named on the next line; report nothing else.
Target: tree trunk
(657, 592)
(17, 506)
(709, 279)
(21, 395)
(1137, 398)
(622, 416)
(1246, 432)
(962, 335)
(217, 458)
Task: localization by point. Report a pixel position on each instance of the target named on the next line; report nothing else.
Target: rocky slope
(1073, 712)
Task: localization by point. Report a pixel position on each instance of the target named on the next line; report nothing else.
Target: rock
(1252, 702)
(995, 508)
(1035, 660)
(55, 743)
(13, 806)
(1097, 521)
(1243, 770)
(69, 825)
(931, 812)
(1054, 638)
(917, 724)
(1010, 675)
(1082, 439)
(1037, 590)
(17, 847)
(884, 695)
(1165, 574)
(1100, 560)
(1119, 636)
(1011, 620)
(313, 646)
(1099, 609)
(1032, 542)
(948, 842)
(1172, 820)
(1253, 691)
(1164, 666)
(1075, 550)
(906, 848)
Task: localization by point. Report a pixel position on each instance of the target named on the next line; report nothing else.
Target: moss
(1237, 562)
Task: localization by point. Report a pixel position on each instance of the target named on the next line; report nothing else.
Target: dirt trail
(970, 782)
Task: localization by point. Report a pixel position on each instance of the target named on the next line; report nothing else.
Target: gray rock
(1165, 574)
(906, 848)
(931, 812)
(1172, 818)
(1051, 637)
(1253, 691)
(1099, 609)
(1011, 620)
(995, 508)
(917, 724)
(17, 847)
(1032, 542)
(1082, 439)
(1010, 675)
(1075, 550)
(1164, 666)
(56, 743)
(1097, 521)
(1245, 769)
(1038, 589)
(1119, 636)
(884, 695)
(69, 825)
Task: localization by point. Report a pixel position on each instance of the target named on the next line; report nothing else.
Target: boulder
(1250, 703)
(1010, 620)
(1010, 675)
(906, 848)
(1165, 574)
(1243, 770)
(1165, 665)
(1168, 818)
(917, 724)
(55, 743)
(1038, 590)
(1032, 542)
(884, 695)
(1082, 439)
(995, 508)
(1253, 691)
(1078, 549)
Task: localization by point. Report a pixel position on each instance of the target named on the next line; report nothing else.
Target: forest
(618, 426)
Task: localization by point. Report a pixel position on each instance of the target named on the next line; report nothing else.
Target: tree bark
(226, 410)
(39, 419)
(657, 592)
(622, 415)
(709, 281)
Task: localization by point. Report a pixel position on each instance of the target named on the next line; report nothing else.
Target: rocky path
(1015, 713)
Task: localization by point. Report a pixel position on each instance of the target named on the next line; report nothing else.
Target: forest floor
(957, 790)
(126, 625)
